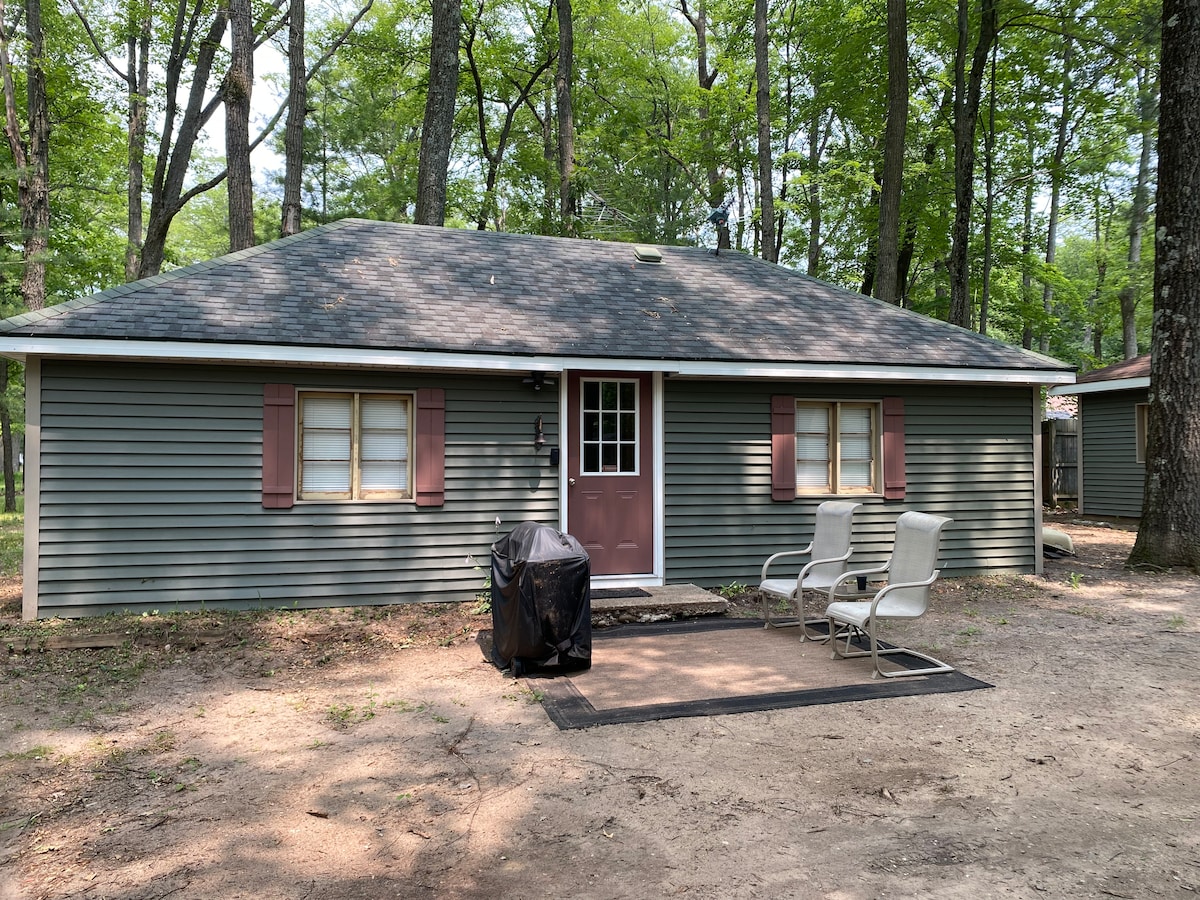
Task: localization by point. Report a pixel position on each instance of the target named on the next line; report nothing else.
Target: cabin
(354, 414)
(1112, 436)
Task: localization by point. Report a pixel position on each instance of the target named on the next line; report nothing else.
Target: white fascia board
(1097, 387)
(19, 347)
(867, 372)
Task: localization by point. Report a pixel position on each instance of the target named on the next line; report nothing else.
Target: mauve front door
(610, 480)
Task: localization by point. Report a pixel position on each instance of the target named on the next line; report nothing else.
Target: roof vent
(646, 253)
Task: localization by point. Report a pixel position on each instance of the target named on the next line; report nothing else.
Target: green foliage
(656, 149)
(12, 543)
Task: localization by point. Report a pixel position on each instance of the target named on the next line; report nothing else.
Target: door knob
(571, 481)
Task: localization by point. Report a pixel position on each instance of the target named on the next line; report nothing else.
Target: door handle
(571, 481)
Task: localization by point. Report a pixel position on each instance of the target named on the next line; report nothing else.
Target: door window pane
(609, 413)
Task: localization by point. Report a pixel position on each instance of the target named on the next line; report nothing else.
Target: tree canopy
(1019, 182)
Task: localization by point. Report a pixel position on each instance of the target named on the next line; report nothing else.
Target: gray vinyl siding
(151, 494)
(1113, 479)
(969, 456)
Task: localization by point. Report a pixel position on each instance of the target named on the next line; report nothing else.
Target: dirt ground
(375, 754)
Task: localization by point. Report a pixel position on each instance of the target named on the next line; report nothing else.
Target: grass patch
(12, 542)
(33, 753)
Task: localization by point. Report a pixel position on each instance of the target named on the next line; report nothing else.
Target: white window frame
(356, 493)
(832, 486)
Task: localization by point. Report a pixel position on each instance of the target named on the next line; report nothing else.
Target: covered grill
(541, 601)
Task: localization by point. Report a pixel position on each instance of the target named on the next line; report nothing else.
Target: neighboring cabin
(1112, 435)
(354, 414)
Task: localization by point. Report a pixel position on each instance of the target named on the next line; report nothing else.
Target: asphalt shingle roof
(1138, 367)
(380, 285)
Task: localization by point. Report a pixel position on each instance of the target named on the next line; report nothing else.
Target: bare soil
(376, 754)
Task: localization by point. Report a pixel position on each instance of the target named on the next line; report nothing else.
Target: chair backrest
(831, 539)
(914, 558)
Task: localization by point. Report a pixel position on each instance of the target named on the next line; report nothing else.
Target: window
(1141, 413)
(609, 418)
(837, 448)
(354, 446)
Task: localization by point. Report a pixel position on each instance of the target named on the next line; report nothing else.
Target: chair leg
(768, 622)
(868, 631)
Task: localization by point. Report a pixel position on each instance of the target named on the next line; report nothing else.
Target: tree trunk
(175, 148)
(1169, 534)
(566, 117)
(870, 263)
(32, 158)
(35, 204)
(1056, 180)
(966, 111)
(293, 135)
(762, 103)
(437, 133)
(137, 75)
(1138, 214)
(549, 155)
(814, 193)
(887, 260)
(1027, 245)
(928, 157)
(239, 83)
(494, 155)
(705, 78)
(989, 203)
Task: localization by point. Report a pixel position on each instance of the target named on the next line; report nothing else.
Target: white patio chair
(828, 552)
(911, 572)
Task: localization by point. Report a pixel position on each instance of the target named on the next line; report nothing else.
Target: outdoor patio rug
(715, 666)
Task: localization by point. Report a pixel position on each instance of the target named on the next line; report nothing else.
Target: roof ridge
(119, 290)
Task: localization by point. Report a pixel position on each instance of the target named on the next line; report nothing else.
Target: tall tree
(564, 104)
(1066, 111)
(706, 77)
(762, 105)
(30, 151)
(293, 135)
(1139, 210)
(1169, 533)
(506, 92)
(437, 132)
(239, 85)
(888, 254)
(180, 133)
(967, 91)
(137, 85)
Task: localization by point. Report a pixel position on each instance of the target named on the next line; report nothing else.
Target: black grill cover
(541, 601)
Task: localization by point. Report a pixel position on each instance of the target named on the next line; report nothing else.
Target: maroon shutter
(893, 448)
(783, 447)
(279, 446)
(431, 447)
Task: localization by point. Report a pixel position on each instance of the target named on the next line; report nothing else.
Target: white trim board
(1098, 387)
(20, 347)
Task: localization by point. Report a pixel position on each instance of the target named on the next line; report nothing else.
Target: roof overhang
(21, 347)
(1099, 387)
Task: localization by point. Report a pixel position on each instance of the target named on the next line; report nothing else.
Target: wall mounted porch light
(539, 436)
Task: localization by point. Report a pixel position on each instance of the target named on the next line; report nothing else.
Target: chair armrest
(887, 588)
(846, 576)
(773, 557)
(817, 562)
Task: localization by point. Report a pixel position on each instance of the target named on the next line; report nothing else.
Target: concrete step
(672, 601)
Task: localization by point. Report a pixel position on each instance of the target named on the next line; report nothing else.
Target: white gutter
(1096, 387)
(19, 347)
